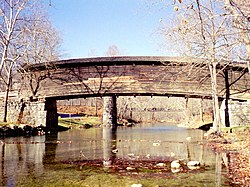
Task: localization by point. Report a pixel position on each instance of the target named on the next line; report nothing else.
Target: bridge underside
(183, 95)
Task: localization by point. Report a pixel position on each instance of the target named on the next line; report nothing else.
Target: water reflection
(30, 157)
(218, 169)
(50, 148)
(21, 156)
(109, 146)
(164, 142)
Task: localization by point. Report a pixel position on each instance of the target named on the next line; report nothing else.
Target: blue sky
(91, 26)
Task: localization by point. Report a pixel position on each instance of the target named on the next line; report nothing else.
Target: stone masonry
(26, 112)
(239, 113)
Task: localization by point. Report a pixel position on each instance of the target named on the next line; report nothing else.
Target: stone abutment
(26, 112)
(34, 113)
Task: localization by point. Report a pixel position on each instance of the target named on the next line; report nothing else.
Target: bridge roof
(129, 60)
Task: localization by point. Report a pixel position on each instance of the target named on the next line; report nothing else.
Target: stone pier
(36, 113)
(109, 112)
(52, 116)
(27, 112)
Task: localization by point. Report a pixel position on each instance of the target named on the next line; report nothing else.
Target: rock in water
(193, 163)
(161, 165)
(175, 164)
(136, 185)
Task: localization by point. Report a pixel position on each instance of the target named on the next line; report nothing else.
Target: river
(101, 157)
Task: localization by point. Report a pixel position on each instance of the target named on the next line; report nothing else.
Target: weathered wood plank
(133, 75)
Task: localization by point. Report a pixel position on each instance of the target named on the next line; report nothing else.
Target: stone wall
(239, 113)
(25, 112)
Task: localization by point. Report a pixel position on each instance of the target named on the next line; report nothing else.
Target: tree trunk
(213, 72)
(20, 115)
(6, 104)
(216, 107)
(227, 121)
(7, 93)
(4, 54)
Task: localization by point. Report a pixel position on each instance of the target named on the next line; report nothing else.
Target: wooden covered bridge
(110, 77)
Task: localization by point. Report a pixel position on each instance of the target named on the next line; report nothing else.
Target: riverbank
(237, 147)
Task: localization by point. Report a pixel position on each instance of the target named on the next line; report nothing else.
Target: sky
(89, 27)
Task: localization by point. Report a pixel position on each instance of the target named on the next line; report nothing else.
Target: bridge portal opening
(141, 109)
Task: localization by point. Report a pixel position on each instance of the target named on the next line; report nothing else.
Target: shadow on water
(138, 152)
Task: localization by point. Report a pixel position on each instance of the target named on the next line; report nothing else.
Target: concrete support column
(52, 116)
(109, 112)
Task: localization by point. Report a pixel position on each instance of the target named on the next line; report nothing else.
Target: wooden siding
(151, 76)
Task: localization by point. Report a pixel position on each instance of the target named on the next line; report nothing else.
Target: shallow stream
(100, 157)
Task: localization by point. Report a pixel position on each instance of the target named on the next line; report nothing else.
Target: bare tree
(204, 30)
(92, 53)
(10, 12)
(10, 18)
(41, 42)
(22, 33)
(113, 50)
(240, 11)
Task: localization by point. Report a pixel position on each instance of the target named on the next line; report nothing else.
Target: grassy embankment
(90, 116)
(81, 122)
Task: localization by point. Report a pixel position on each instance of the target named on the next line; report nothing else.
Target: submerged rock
(114, 151)
(178, 165)
(175, 164)
(161, 165)
(193, 163)
(107, 163)
(175, 170)
(136, 185)
(129, 168)
(156, 144)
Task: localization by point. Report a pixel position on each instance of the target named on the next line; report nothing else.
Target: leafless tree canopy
(216, 31)
(113, 50)
(26, 37)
